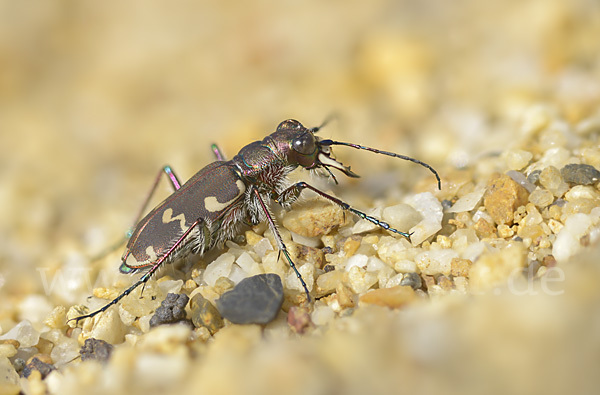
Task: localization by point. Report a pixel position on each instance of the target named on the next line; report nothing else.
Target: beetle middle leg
(282, 247)
(217, 152)
(294, 191)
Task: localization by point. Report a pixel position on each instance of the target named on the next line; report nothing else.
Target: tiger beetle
(218, 200)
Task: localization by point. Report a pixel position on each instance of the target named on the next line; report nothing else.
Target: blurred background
(95, 96)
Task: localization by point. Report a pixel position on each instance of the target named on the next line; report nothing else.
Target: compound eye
(304, 144)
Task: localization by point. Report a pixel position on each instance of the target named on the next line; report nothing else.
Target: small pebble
(108, 326)
(360, 280)
(517, 159)
(431, 210)
(205, 314)
(171, 310)
(505, 231)
(468, 202)
(223, 284)
(36, 364)
(9, 378)
(393, 297)
(484, 228)
(65, 351)
(322, 315)
(405, 266)
(310, 254)
(220, 267)
(434, 262)
(358, 261)
(255, 300)
(551, 179)
(521, 180)
(57, 318)
(350, 246)
(503, 197)
(24, 333)
(412, 280)
(541, 197)
(95, 349)
(313, 218)
(345, 296)
(460, 267)
(328, 281)
(567, 241)
(299, 319)
(580, 192)
(445, 283)
(7, 350)
(580, 174)
(401, 216)
(429, 282)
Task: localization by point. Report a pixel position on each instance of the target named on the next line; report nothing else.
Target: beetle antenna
(392, 154)
(331, 117)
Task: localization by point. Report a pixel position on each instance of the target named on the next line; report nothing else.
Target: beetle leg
(298, 187)
(144, 279)
(282, 248)
(176, 185)
(217, 151)
(174, 182)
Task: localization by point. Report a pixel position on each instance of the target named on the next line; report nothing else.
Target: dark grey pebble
(96, 349)
(412, 280)
(580, 174)
(520, 178)
(255, 300)
(36, 364)
(171, 310)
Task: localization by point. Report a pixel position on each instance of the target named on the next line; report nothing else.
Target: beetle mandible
(211, 206)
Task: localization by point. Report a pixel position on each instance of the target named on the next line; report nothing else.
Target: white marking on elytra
(132, 261)
(151, 253)
(213, 205)
(168, 217)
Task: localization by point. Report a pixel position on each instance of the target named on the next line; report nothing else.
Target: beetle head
(302, 147)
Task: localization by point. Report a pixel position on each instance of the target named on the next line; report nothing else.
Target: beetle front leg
(287, 197)
(295, 190)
